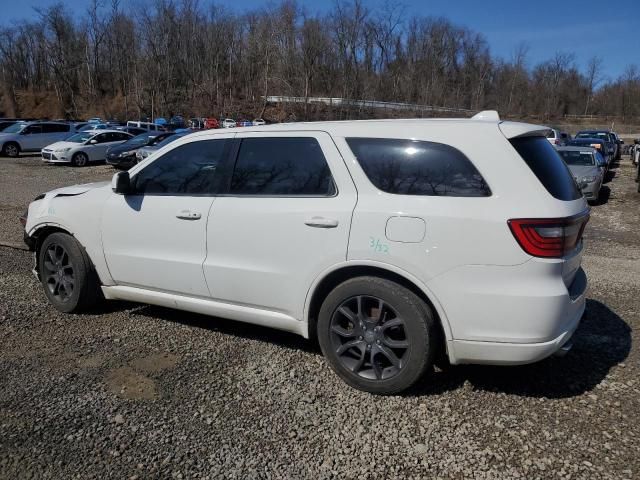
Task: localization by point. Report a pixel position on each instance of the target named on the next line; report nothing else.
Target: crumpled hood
(580, 171)
(60, 145)
(75, 189)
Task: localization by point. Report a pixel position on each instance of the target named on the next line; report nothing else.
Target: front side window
(102, 138)
(189, 169)
(281, 166)
(411, 167)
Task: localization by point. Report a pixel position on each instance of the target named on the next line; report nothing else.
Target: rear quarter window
(411, 167)
(545, 162)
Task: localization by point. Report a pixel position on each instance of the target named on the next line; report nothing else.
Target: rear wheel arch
(319, 291)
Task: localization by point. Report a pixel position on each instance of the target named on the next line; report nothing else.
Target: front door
(156, 237)
(284, 219)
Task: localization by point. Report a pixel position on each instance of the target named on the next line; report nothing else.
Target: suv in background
(32, 136)
(394, 242)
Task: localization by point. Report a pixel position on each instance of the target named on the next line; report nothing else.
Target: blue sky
(610, 30)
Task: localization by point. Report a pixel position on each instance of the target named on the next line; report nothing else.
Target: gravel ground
(140, 392)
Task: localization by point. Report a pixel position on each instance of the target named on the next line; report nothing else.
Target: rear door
(53, 132)
(284, 219)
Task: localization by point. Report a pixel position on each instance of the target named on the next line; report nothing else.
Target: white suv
(396, 243)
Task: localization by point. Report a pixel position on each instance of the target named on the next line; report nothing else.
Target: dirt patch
(127, 383)
(155, 363)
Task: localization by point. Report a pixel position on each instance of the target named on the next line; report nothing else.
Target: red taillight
(557, 142)
(549, 237)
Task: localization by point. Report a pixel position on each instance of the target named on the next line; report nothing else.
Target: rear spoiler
(512, 129)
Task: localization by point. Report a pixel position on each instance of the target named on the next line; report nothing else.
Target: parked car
(228, 123)
(95, 120)
(145, 126)
(124, 155)
(245, 123)
(94, 126)
(175, 122)
(84, 147)
(471, 249)
(196, 123)
(604, 135)
(157, 143)
(258, 121)
(211, 123)
(139, 130)
(557, 137)
(619, 143)
(588, 167)
(597, 143)
(32, 136)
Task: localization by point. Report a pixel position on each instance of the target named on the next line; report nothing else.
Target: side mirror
(93, 141)
(121, 183)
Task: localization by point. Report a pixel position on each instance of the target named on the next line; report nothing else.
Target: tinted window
(546, 164)
(410, 167)
(187, 169)
(281, 166)
(119, 136)
(32, 129)
(55, 127)
(102, 138)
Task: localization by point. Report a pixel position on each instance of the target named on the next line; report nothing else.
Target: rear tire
(377, 335)
(67, 275)
(11, 149)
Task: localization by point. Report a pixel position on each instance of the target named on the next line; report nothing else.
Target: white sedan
(84, 147)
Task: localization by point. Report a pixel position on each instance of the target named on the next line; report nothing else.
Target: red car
(211, 123)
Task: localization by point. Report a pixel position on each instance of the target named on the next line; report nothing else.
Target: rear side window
(55, 128)
(281, 166)
(546, 164)
(410, 167)
(189, 169)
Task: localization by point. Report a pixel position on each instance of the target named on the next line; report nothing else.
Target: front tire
(80, 159)
(67, 274)
(377, 335)
(11, 149)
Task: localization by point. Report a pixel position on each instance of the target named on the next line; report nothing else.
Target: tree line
(164, 57)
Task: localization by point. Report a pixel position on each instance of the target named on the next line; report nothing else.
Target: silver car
(32, 136)
(588, 167)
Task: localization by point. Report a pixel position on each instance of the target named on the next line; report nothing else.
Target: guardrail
(338, 101)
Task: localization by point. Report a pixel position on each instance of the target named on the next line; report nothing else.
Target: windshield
(80, 137)
(139, 140)
(601, 135)
(17, 128)
(582, 159)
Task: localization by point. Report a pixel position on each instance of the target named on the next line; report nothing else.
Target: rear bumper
(494, 353)
(510, 315)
